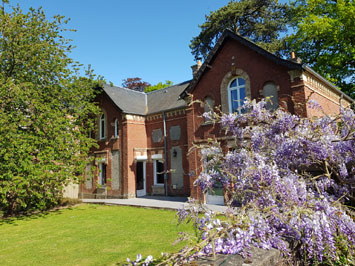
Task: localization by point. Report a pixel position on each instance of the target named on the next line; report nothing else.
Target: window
(102, 174)
(116, 128)
(236, 94)
(208, 106)
(158, 172)
(270, 90)
(102, 126)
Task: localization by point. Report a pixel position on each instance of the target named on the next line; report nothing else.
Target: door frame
(142, 192)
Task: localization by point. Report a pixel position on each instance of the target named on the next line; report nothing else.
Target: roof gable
(228, 35)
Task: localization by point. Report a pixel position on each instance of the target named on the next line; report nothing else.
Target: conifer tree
(261, 21)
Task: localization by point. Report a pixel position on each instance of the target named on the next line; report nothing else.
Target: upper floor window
(270, 90)
(116, 128)
(102, 126)
(236, 94)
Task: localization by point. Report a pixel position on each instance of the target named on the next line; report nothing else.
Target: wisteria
(287, 182)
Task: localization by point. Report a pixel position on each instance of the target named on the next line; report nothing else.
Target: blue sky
(135, 38)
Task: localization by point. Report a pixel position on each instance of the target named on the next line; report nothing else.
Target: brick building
(140, 135)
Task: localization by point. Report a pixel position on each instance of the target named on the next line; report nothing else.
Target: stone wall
(260, 257)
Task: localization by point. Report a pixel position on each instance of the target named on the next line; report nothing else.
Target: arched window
(116, 128)
(102, 126)
(270, 90)
(236, 94)
(208, 106)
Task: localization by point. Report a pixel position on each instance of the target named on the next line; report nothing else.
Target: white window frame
(230, 89)
(155, 172)
(116, 128)
(102, 127)
(143, 192)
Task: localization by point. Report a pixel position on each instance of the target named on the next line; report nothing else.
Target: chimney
(293, 56)
(196, 67)
(295, 59)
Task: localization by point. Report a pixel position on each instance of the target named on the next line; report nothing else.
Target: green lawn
(88, 235)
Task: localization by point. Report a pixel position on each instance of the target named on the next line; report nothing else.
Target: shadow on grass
(32, 216)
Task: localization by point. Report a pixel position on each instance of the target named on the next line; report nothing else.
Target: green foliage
(159, 86)
(324, 38)
(44, 111)
(261, 21)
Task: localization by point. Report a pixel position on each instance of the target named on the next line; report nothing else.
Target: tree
(159, 86)
(324, 38)
(45, 110)
(136, 84)
(261, 21)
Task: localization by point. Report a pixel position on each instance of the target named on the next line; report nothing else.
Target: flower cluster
(139, 260)
(290, 175)
(287, 182)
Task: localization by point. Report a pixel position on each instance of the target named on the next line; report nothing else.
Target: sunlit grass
(88, 235)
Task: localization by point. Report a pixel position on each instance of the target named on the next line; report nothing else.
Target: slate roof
(166, 99)
(140, 103)
(129, 101)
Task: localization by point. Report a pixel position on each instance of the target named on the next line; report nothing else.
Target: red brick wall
(173, 118)
(134, 136)
(107, 145)
(329, 99)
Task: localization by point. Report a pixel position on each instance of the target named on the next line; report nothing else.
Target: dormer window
(236, 94)
(102, 124)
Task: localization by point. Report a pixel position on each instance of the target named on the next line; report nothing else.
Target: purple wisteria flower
(289, 178)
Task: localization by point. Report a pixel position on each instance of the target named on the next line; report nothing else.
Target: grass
(88, 235)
